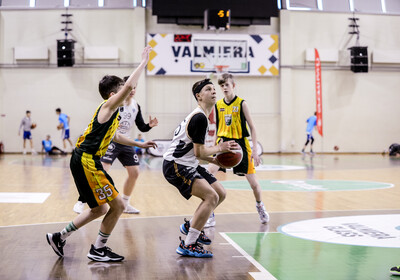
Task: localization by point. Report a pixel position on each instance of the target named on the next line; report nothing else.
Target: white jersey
(128, 115)
(181, 150)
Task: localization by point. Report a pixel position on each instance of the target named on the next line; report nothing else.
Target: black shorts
(125, 154)
(94, 185)
(182, 176)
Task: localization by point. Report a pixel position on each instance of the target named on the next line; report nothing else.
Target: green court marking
(308, 185)
(291, 258)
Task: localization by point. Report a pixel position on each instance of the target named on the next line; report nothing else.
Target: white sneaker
(131, 210)
(24, 152)
(34, 152)
(79, 207)
(211, 221)
(264, 217)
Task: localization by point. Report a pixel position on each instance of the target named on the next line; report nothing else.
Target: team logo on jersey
(235, 109)
(228, 119)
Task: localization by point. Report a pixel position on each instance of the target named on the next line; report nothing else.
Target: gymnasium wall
(359, 109)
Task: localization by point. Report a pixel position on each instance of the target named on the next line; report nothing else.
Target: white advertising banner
(197, 54)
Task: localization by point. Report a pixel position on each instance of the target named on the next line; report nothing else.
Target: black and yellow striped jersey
(231, 122)
(97, 136)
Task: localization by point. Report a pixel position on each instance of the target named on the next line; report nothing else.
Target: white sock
(192, 236)
(126, 199)
(101, 240)
(259, 203)
(68, 230)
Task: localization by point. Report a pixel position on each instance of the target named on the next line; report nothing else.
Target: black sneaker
(203, 239)
(54, 240)
(104, 254)
(194, 250)
(395, 270)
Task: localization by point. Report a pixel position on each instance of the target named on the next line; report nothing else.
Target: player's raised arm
(118, 98)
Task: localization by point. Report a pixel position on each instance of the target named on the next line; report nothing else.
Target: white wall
(360, 110)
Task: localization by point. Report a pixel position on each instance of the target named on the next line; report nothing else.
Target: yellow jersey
(230, 119)
(97, 137)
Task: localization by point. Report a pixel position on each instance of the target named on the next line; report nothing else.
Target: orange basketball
(33, 125)
(336, 148)
(230, 159)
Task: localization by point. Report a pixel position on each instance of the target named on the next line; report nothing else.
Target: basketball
(59, 126)
(336, 148)
(33, 125)
(230, 159)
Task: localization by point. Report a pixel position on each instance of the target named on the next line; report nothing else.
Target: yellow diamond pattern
(275, 45)
(150, 66)
(152, 55)
(274, 71)
(152, 43)
(262, 69)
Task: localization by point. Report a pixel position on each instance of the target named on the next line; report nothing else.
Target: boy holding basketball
(92, 181)
(181, 168)
(232, 116)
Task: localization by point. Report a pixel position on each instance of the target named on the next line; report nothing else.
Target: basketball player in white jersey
(131, 115)
(181, 168)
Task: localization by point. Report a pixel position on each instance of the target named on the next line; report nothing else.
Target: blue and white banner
(197, 54)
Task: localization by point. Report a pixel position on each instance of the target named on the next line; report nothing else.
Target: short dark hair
(27, 112)
(197, 87)
(58, 110)
(224, 77)
(108, 84)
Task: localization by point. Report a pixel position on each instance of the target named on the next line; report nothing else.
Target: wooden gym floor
(295, 188)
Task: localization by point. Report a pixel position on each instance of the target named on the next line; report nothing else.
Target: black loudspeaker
(65, 53)
(359, 59)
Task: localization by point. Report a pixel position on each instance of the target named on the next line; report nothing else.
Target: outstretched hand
(149, 144)
(146, 53)
(153, 122)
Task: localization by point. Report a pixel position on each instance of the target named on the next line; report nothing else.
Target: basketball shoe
(193, 250)
(264, 217)
(54, 240)
(79, 207)
(131, 210)
(395, 270)
(210, 221)
(184, 228)
(104, 254)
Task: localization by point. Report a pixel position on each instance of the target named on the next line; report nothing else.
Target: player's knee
(99, 211)
(117, 205)
(222, 195)
(213, 198)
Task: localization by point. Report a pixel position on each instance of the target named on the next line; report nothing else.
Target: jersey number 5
(104, 192)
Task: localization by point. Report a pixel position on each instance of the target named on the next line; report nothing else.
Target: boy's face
(227, 87)
(208, 94)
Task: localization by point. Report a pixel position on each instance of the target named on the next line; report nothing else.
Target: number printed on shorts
(104, 192)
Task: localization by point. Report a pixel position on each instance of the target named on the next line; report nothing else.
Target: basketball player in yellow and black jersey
(232, 117)
(92, 181)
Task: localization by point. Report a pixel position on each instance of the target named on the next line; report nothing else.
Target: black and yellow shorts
(182, 176)
(246, 166)
(94, 184)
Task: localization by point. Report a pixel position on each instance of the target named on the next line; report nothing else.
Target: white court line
(263, 274)
(23, 197)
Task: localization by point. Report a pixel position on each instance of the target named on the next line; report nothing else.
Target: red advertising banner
(318, 92)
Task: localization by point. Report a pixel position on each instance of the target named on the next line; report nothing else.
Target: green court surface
(288, 258)
(308, 185)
